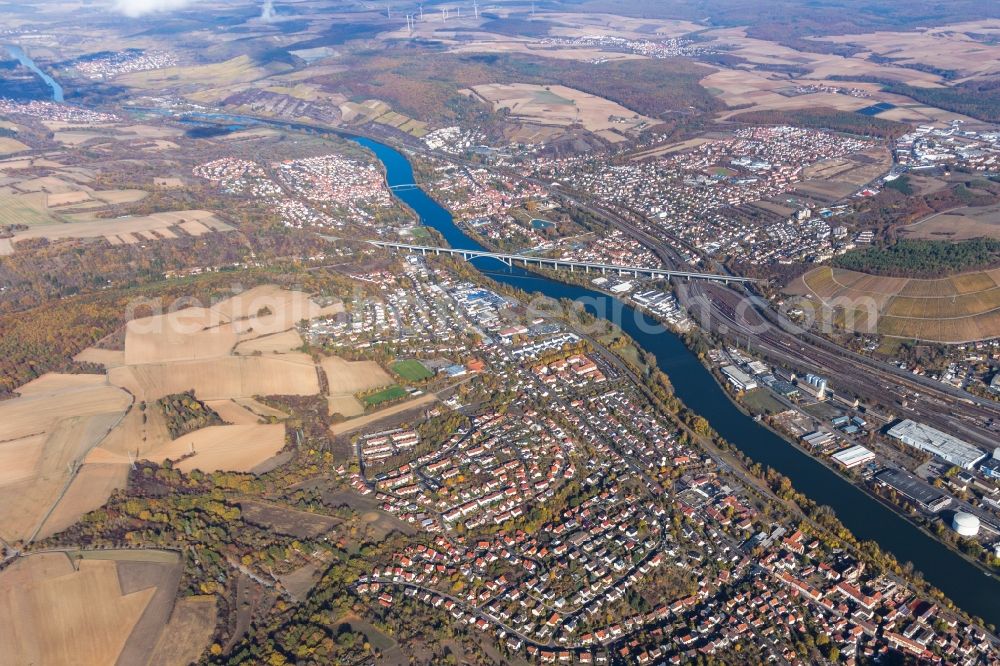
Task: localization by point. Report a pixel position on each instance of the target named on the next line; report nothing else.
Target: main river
(863, 515)
(25, 59)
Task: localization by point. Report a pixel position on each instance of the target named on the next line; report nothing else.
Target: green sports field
(411, 370)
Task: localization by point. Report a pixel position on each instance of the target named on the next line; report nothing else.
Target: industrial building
(922, 494)
(991, 468)
(941, 444)
(818, 440)
(741, 380)
(853, 456)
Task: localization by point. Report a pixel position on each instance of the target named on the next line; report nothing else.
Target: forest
(425, 83)
(911, 258)
(184, 413)
(978, 99)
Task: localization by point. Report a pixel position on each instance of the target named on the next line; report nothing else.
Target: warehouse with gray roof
(941, 444)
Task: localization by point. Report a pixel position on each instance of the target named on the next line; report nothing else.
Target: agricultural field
(412, 370)
(956, 309)
(44, 434)
(89, 490)
(236, 448)
(232, 413)
(239, 70)
(348, 378)
(560, 106)
(54, 610)
(73, 436)
(188, 632)
(947, 47)
(956, 225)
(276, 343)
(8, 146)
(122, 231)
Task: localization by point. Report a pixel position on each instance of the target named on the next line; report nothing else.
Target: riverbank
(866, 518)
(583, 281)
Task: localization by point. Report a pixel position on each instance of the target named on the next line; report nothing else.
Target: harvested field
(947, 47)
(232, 413)
(135, 435)
(221, 378)
(345, 405)
(955, 309)
(270, 309)
(259, 408)
(275, 343)
(346, 378)
(67, 198)
(52, 613)
(349, 377)
(560, 106)
(8, 145)
(91, 488)
(237, 70)
(188, 334)
(958, 224)
(52, 425)
(234, 448)
(188, 632)
(116, 230)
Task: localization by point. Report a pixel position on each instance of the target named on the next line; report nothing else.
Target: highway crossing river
(967, 585)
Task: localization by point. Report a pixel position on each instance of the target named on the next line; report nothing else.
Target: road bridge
(572, 266)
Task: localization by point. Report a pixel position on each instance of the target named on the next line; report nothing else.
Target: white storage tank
(965, 524)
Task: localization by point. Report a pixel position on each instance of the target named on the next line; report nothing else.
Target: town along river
(868, 519)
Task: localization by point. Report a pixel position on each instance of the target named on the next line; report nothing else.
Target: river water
(868, 519)
(25, 59)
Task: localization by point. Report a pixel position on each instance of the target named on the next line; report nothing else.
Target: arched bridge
(543, 262)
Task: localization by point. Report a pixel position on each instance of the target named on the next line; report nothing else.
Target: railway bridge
(571, 265)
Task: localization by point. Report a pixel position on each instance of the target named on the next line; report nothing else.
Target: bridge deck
(510, 259)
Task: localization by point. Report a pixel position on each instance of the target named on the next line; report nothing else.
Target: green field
(385, 395)
(412, 370)
(28, 209)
